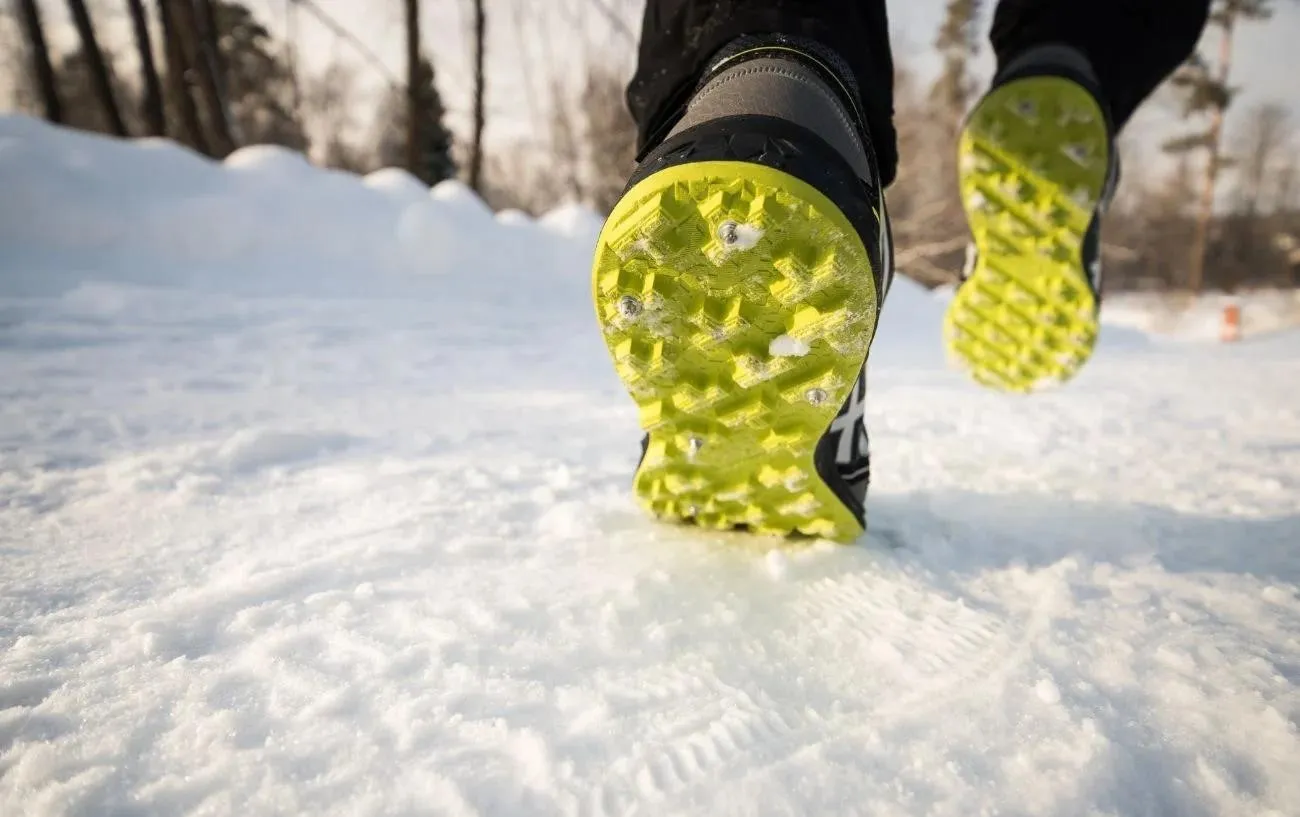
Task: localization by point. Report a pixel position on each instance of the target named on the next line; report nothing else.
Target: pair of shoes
(738, 282)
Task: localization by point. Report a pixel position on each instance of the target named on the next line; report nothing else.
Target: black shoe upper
(790, 148)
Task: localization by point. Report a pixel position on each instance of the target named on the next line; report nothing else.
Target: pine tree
(259, 87)
(434, 161)
(1207, 96)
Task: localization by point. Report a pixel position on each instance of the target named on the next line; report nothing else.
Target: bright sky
(532, 40)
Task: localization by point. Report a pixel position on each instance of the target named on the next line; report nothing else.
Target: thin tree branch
(333, 25)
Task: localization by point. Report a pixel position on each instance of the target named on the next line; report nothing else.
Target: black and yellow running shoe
(738, 284)
(1037, 167)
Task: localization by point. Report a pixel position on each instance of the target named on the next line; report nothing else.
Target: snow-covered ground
(1259, 312)
(313, 501)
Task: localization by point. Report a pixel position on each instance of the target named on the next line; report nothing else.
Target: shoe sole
(1033, 164)
(739, 354)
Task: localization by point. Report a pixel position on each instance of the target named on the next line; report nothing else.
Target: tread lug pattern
(1033, 163)
(732, 431)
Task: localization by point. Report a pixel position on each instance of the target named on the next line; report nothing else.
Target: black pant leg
(1133, 44)
(679, 36)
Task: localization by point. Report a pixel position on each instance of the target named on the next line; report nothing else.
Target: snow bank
(1263, 312)
(575, 222)
(264, 219)
(513, 218)
(397, 184)
(267, 220)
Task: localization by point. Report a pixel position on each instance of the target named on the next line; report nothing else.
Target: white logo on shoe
(886, 249)
(851, 429)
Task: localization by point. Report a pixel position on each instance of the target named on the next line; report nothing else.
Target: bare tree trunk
(476, 143)
(30, 17)
(98, 70)
(291, 53)
(1201, 239)
(177, 83)
(413, 113)
(206, 18)
(152, 105)
(185, 22)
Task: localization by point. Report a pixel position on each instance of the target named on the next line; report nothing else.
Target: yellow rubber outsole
(1033, 160)
(738, 305)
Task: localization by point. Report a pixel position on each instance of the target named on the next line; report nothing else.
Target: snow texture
(744, 237)
(786, 346)
(314, 500)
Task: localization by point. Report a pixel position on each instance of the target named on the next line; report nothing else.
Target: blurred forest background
(1220, 212)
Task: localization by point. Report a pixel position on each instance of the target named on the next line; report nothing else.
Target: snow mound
(265, 221)
(575, 222)
(458, 194)
(397, 184)
(514, 218)
(271, 161)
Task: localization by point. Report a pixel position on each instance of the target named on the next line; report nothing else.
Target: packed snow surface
(314, 501)
(1259, 312)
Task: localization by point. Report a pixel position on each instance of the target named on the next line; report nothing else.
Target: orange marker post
(1230, 329)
